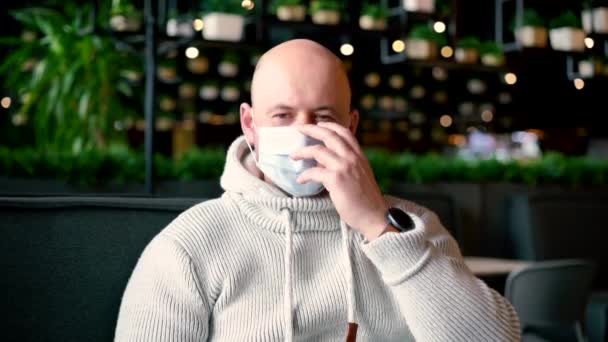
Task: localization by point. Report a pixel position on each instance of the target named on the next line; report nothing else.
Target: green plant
(469, 43)
(275, 4)
(530, 17)
(124, 7)
(422, 31)
(326, 5)
(231, 57)
(375, 11)
(168, 63)
(490, 48)
(75, 93)
(223, 6)
(566, 19)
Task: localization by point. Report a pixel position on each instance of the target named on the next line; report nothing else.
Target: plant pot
(567, 39)
(587, 19)
(199, 65)
(187, 91)
(167, 74)
(164, 124)
(208, 92)
(167, 104)
(230, 94)
(123, 23)
(600, 19)
(291, 12)
(420, 49)
(490, 59)
(326, 17)
(179, 28)
(228, 69)
(589, 68)
(424, 6)
(466, 55)
(530, 36)
(367, 22)
(223, 26)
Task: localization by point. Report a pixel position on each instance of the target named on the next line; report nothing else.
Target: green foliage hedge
(118, 164)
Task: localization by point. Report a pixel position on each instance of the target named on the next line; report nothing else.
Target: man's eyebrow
(280, 107)
(325, 108)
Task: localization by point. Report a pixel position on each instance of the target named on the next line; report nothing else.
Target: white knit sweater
(257, 265)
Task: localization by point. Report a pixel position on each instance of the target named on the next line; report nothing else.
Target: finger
(330, 138)
(315, 174)
(343, 132)
(320, 153)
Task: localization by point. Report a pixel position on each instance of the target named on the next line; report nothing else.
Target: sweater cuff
(399, 255)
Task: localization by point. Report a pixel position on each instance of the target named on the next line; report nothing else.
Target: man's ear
(354, 121)
(246, 113)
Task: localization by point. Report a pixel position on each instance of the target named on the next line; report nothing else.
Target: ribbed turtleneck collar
(262, 202)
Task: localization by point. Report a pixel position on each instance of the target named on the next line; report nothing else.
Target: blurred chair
(550, 298)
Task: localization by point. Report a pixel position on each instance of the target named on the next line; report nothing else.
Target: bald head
(298, 82)
(302, 64)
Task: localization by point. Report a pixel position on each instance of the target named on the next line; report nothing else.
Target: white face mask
(275, 144)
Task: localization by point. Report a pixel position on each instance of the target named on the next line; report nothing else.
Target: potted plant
(224, 20)
(230, 92)
(590, 67)
(167, 70)
(491, 54)
(229, 65)
(566, 33)
(423, 6)
(198, 65)
(75, 92)
(467, 50)
(595, 16)
(164, 121)
(325, 12)
(373, 17)
(167, 103)
(289, 10)
(125, 17)
(187, 90)
(532, 32)
(209, 90)
(422, 43)
(179, 25)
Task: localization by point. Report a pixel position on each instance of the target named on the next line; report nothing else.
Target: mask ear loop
(247, 141)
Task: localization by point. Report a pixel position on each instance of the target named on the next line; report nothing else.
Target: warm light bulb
(510, 78)
(439, 27)
(198, 24)
(445, 121)
(192, 52)
(248, 5)
(487, 116)
(347, 49)
(589, 43)
(447, 51)
(398, 45)
(5, 102)
(579, 83)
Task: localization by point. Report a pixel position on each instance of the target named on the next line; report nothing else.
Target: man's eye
(281, 115)
(324, 118)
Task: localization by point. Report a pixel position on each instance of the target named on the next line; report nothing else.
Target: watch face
(400, 219)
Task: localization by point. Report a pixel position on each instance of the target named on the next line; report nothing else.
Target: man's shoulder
(202, 222)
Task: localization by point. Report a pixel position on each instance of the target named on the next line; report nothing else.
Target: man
(302, 245)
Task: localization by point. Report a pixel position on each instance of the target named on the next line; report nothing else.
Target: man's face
(286, 94)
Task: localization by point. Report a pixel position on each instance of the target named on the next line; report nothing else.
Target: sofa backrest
(66, 261)
(559, 226)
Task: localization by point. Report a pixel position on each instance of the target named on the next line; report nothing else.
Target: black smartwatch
(399, 219)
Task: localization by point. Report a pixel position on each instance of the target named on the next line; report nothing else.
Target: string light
(445, 121)
(347, 49)
(439, 27)
(510, 78)
(5, 102)
(198, 24)
(398, 45)
(487, 116)
(447, 51)
(579, 83)
(248, 5)
(192, 52)
(589, 43)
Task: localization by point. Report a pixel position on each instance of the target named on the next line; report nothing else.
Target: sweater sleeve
(163, 300)
(438, 295)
